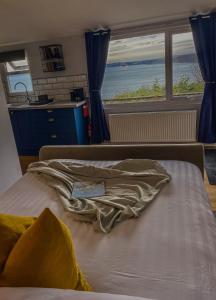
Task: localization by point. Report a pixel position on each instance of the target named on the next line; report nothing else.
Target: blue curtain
(97, 44)
(204, 34)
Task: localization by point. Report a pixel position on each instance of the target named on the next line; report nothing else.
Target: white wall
(75, 67)
(9, 164)
(74, 57)
(73, 51)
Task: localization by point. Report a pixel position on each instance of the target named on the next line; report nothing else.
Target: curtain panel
(204, 34)
(97, 44)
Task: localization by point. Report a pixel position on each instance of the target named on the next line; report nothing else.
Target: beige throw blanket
(130, 185)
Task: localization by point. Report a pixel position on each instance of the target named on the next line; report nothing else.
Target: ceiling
(36, 20)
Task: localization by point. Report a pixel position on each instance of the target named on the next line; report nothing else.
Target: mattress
(168, 253)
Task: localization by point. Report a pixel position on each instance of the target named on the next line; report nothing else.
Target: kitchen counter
(52, 105)
(56, 123)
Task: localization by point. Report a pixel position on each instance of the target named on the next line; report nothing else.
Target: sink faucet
(27, 95)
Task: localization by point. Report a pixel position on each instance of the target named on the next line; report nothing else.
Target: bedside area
(56, 123)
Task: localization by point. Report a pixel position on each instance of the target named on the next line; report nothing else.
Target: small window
(187, 78)
(18, 71)
(135, 69)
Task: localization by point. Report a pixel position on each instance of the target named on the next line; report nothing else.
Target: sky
(148, 47)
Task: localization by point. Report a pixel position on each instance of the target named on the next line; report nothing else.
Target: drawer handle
(49, 110)
(51, 120)
(53, 136)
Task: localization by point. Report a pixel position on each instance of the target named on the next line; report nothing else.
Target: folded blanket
(130, 185)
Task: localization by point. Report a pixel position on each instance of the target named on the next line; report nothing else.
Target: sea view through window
(136, 68)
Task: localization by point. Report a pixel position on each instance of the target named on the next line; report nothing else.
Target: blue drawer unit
(34, 128)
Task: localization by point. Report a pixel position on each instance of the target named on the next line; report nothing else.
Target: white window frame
(17, 93)
(169, 30)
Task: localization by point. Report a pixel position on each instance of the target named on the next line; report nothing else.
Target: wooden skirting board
(211, 190)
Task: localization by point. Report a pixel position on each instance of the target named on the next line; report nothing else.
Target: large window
(137, 69)
(18, 71)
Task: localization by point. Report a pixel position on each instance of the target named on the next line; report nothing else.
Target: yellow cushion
(11, 228)
(44, 257)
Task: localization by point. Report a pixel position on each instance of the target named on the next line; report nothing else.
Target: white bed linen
(56, 294)
(168, 253)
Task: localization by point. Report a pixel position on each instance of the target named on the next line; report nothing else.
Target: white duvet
(169, 253)
(56, 294)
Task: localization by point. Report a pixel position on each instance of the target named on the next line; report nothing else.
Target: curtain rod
(167, 20)
(99, 28)
(151, 20)
(140, 23)
(121, 32)
(151, 23)
(195, 13)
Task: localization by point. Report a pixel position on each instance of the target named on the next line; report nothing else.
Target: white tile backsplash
(42, 81)
(62, 79)
(56, 87)
(51, 80)
(34, 82)
(67, 85)
(46, 86)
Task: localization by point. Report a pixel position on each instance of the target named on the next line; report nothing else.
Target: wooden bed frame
(193, 153)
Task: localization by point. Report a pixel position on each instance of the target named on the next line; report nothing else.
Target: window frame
(6, 74)
(169, 30)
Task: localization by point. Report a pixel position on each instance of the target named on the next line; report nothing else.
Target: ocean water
(121, 79)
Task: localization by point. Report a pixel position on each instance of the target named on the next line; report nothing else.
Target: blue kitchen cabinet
(34, 128)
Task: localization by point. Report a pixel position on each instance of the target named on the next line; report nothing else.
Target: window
(187, 78)
(137, 69)
(18, 71)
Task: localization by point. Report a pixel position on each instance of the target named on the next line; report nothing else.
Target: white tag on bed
(88, 189)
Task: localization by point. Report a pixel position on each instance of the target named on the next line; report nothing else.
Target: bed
(168, 253)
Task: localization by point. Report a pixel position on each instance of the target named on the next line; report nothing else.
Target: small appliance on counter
(77, 95)
(42, 99)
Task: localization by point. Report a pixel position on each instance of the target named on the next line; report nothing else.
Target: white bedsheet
(168, 253)
(54, 294)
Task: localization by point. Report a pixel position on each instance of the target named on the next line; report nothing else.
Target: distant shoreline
(186, 58)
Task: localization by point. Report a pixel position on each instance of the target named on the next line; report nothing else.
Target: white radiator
(165, 126)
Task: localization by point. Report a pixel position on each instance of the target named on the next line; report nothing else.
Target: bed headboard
(192, 153)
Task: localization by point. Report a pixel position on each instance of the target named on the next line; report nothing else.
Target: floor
(211, 189)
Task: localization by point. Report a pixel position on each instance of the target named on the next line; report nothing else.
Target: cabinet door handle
(51, 120)
(53, 136)
(49, 110)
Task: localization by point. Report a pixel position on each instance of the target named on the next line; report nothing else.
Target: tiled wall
(55, 87)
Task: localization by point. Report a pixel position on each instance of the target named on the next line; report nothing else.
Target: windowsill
(178, 103)
(134, 100)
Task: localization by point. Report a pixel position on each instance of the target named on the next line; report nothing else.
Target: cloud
(183, 43)
(148, 47)
(137, 48)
